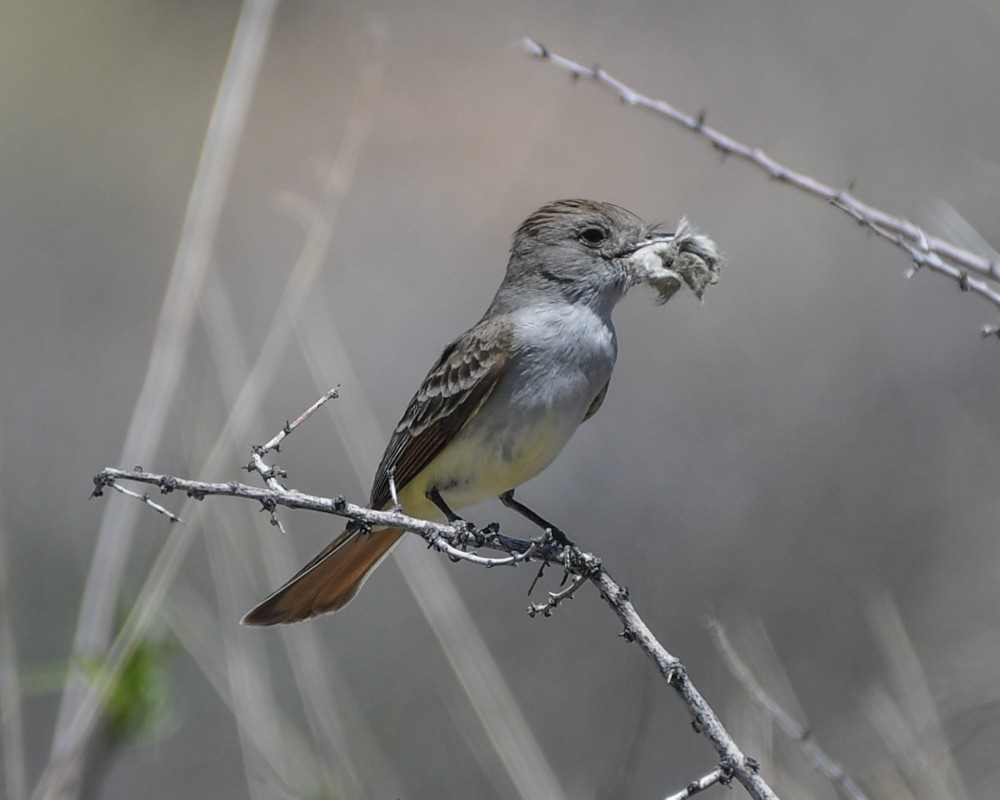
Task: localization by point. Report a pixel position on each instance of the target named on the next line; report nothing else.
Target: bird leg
(560, 538)
(435, 497)
(468, 533)
(557, 536)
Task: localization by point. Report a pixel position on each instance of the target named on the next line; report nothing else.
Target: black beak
(655, 237)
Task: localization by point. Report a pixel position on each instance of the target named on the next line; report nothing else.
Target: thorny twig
(938, 255)
(455, 540)
(452, 540)
(289, 427)
(719, 775)
(144, 498)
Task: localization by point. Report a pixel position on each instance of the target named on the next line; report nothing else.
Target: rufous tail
(329, 581)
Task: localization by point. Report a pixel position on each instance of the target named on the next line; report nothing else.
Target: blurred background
(809, 457)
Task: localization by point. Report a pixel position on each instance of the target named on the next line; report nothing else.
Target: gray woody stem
(455, 540)
(937, 254)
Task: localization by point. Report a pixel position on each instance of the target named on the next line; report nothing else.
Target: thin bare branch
(555, 598)
(705, 720)
(458, 537)
(938, 255)
(145, 498)
(719, 775)
(276, 441)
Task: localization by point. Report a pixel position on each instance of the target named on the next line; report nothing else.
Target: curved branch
(456, 541)
(936, 254)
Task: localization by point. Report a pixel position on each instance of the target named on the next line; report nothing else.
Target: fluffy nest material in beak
(688, 258)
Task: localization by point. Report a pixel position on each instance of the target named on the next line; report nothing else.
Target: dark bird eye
(594, 236)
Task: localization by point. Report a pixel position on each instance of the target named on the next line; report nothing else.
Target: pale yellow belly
(478, 466)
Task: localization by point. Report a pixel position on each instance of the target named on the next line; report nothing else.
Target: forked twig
(454, 540)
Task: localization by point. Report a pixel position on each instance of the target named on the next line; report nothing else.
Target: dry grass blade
(80, 702)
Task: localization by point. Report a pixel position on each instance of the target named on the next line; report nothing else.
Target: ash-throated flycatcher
(504, 397)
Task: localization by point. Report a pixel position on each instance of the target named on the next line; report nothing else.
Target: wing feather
(451, 394)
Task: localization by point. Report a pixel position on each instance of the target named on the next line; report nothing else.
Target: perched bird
(504, 398)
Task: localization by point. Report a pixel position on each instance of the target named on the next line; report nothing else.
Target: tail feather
(329, 581)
